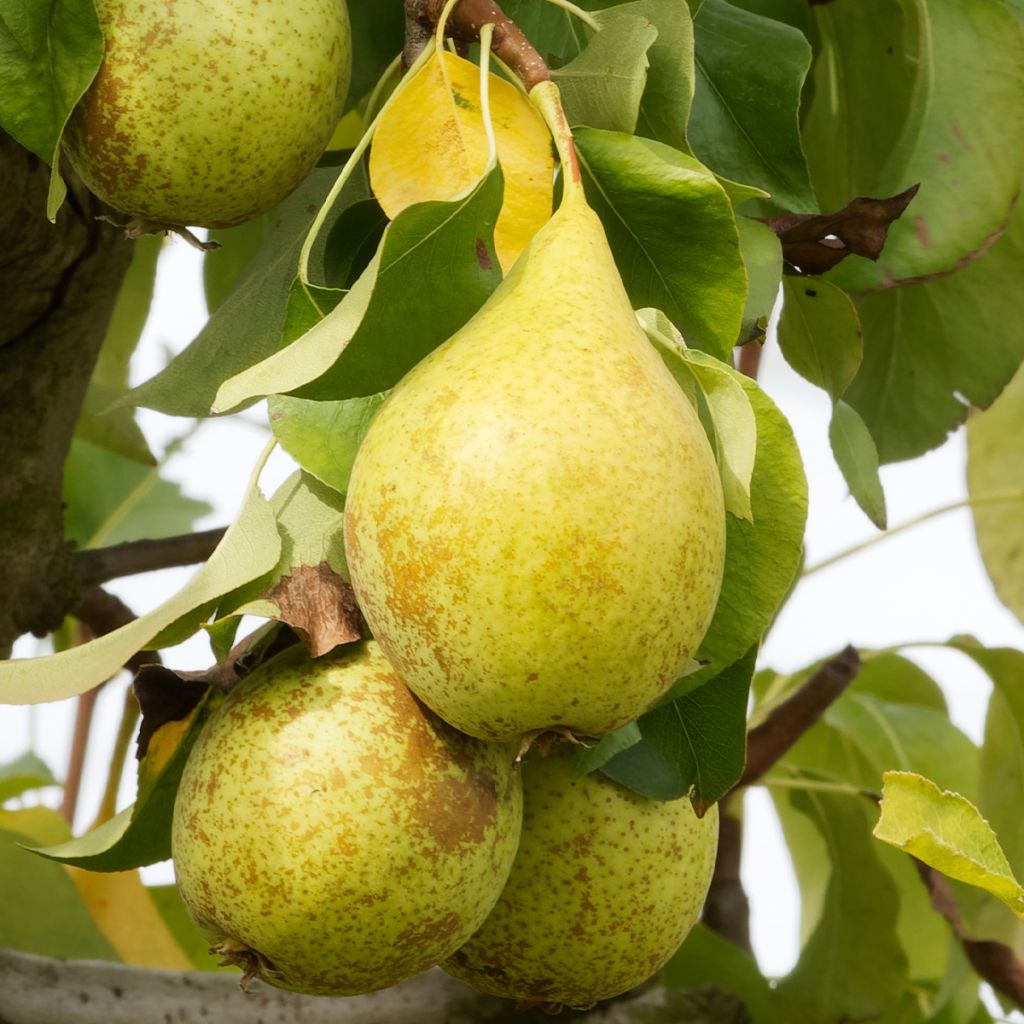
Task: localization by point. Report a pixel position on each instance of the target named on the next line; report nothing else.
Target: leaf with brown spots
(319, 605)
(817, 242)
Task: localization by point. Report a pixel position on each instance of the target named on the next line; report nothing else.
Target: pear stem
(548, 100)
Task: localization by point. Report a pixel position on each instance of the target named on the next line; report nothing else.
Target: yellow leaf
(431, 144)
(41, 824)
(947, 832)
(123, 911)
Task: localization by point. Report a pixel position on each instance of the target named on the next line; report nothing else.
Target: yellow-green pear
(534, 522)
(605, 887)
(209, 113)
(333, 836)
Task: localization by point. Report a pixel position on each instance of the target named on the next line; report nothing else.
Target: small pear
(605, 887)
(331, 835)
(534, 522)
(209, 113)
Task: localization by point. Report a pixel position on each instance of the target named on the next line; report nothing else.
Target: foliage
(706, 133)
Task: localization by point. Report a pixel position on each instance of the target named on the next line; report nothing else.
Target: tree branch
(59, 284)
(727, 909)
(750, 359)
(464, 24)
(769, 741)
(99, 565)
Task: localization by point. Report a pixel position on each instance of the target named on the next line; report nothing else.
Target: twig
(98, 565)
(84, 712)
(750, 359)
(995, 962)
(769, 741)
(464, 24)
(727, 909)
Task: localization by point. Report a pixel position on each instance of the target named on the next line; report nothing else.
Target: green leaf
(947, 832)
(254, 310)
(857, 457)
(995, 470)
(323, 437)
(696, 744)
(762, 259)
(665, 107)
(705, 958)
(853, 966)
(109, 499)
(352, 242)
(819, 333)
(116, 429)
(24, 773)
(223, 268)
(750, 71)
(376, 30)
(250, 548)
(672, 233)
(140, 834)
(891, 677)
(602, 87)
(426, 281)
(50, 51)
(735, 427)
(589, 759)
(931, 347)
(940, 106)
(43, 913)
(763, 556)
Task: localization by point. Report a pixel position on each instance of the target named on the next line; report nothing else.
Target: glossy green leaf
(750, 71)
(995, 473)
(323, 437)
(602, 87)
(42, 911)
(141, 833)
(109, 499)
(819, 333)
(671, 230)
(762, 557)
(762, 259)
(50, 51)
(930, 347)
(919, 91)
(589, 759)
(430, 274)
(24, 773)
(853, 966)
(250, 548)
(947, 832)
(696, 744)
(352, 242)
(254, 309)
(857, 457)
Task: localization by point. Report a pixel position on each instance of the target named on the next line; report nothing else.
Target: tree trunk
(58, 284)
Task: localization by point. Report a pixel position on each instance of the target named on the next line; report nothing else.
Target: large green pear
(534, 522)
(209, 113)
(605, 887)
(333, 836)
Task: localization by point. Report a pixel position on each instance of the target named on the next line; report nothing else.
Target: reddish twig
(769, 741)
(98, 565)
(750, 359)
(727, 909)
(84, 712)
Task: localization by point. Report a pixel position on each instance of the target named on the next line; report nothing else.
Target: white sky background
(924, 585)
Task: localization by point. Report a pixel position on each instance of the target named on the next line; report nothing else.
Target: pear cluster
(535, 533)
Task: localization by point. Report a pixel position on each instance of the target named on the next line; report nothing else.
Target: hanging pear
(604, 888)
(534, 523)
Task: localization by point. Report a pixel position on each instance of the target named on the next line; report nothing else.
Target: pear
(209, 113)
(331, 835)
(605, 887)
(534, 522)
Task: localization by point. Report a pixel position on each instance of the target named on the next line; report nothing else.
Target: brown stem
(102, 612)
(727, 909)
(464, 24)
(750, 359)
(769, 741)
(84, 712)
(98, 565)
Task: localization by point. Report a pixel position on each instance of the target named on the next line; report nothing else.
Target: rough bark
(58, 284)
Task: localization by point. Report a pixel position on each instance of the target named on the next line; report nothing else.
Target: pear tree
(483, 683)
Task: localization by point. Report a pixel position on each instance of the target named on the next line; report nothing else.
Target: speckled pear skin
(605, 887)
(333, 836)
(534, 522)
(210, 113)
